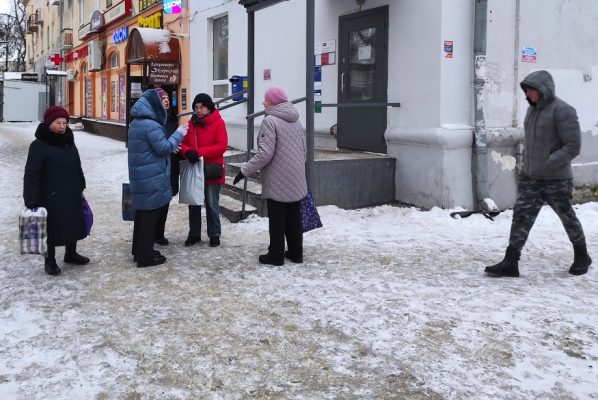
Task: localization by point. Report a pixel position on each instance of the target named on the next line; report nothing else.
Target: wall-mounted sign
(184, 98)
(29, 76)
(172, 6)
(77, 54)
(97, 21)
(529, 54)
(84, 31)
(153, 21)
(325, 52)
(164, 73)
(448, 49)
(119, 11)
(120, 35)
(143, 4)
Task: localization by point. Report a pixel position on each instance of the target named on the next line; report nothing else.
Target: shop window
(220, 82)
(114, 60)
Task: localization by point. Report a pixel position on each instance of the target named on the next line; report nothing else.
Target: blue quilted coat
(149, 153)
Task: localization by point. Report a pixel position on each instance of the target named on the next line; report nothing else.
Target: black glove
(192, 156)
(238, 178)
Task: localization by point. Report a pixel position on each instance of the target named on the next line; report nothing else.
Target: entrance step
(254, 193)
(231, 208)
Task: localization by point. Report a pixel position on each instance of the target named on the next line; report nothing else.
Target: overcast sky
(4, 6)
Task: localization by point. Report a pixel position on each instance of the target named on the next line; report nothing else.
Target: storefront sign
(84, 31)
(164, 73)
(120, 35)
(97, 21)
(153, 21)
(116, 12)
(143, 4)
(172, 6)
(77, 54)
(29, 76)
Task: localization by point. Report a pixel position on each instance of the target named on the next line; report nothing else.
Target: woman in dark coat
(54, 180)
(172, 123)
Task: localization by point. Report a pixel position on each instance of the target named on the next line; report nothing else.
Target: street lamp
(60, 44)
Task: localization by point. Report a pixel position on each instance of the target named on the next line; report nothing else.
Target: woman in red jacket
(206, 138)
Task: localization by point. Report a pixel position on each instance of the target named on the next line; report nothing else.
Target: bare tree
(13, 31)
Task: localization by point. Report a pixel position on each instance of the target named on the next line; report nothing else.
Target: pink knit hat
(161, 92)
(275, 95)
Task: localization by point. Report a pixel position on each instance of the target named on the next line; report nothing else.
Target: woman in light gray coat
(280, 158)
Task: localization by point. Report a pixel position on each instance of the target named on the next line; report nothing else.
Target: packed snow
(390, 303)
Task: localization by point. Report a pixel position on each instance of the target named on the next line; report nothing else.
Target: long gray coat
(552, 133)
(280, 157)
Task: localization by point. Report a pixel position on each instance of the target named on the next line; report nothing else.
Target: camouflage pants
(531, 196)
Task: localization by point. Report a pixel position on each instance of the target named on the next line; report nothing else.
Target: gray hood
(543, 82)
(285, 111)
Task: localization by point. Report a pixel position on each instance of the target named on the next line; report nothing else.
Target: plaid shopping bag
(310, 219)
(33, 231)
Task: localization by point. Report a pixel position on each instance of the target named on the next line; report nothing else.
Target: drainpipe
(516, 94)
(480, 148)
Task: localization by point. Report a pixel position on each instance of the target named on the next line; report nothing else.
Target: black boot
(191, 240)
(581, 260)
(51, 267)
(267, 259)
(75, 258)
(509, 266)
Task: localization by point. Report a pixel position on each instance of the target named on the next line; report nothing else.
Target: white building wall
(431, 133)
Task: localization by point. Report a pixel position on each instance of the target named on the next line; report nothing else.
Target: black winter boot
(581, 260)
(509, 266)
(75, 258)
(51, 267)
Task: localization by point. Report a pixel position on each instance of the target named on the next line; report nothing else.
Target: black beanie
(205, 100)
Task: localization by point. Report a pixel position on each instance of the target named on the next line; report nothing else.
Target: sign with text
(172, 6)
(164, 73)
(29, 76)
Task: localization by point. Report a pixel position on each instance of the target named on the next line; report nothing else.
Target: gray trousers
(531, 196)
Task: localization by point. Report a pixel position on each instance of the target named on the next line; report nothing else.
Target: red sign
(56, 59)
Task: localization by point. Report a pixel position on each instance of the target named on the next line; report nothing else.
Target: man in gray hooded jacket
(552, 139)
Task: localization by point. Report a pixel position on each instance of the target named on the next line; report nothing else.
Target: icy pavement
(390, 303)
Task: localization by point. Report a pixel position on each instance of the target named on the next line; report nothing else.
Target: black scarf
(44, 134)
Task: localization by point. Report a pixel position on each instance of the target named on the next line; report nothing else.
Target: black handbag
(212, 172)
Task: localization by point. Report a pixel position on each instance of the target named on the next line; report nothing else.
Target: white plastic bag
(191, 188)
(33, 231)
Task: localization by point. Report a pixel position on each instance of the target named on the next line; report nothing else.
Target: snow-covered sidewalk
(389, 303)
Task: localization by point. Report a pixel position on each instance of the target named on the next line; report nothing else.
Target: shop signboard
(164, 73)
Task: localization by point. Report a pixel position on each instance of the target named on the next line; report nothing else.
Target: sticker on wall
(172, 6)
(448, 49)
(529, 54)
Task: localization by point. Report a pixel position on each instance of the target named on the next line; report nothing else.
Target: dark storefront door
(363, 78)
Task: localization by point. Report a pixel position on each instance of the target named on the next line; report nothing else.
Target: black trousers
(161, 224)
(144, 233)
(69, 249)
(284, 221)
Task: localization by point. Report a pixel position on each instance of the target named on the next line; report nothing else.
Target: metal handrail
(356, 104)
(257, 114)
(218, 102)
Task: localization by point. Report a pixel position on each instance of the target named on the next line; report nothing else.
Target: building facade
(91, 38)
(425, 55)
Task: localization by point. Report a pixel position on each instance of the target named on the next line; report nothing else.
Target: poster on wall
(88, 98)
(113, 96)
(529, 54)
(122, 99)
(104, 98)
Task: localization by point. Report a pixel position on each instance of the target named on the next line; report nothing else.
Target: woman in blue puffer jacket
(149, 172)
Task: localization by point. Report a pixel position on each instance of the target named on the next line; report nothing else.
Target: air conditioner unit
(96, 55)
(71, 74)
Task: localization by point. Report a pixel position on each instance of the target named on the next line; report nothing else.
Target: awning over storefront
(147, 44)
(255, 5)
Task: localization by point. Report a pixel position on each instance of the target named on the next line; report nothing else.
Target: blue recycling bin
(238, 83)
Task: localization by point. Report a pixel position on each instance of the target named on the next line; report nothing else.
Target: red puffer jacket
(208, 141)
